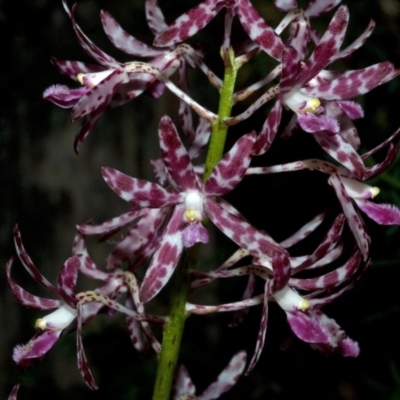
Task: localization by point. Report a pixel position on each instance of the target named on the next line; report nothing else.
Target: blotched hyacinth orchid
(168, 221)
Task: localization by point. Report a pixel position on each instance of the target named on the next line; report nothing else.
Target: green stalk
(173, 329)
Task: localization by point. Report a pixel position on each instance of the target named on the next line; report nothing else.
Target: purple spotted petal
(262, 330)
(317, 7)
(67, 277)
(257, 243)
(98, 96)
(71, 69)
(356, 224)
(327, 47)
(38, 346)
(82, 361)
(175, 156)
(229, 171)
(165, 258)
(123, 41)
(339, 149)
(141, 241)
(142, 193)
(155, 17)
(189, 23)
(285, 5)
(27, 299)
(63, 96)
(111, 226)
(354, 83)
(226, 379)
(258, 30)
(91, 49)
(268, 130)
(28, 264)
(383, 214)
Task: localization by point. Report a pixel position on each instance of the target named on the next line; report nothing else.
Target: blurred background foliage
(47, 189)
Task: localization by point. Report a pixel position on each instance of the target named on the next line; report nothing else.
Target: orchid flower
(192, 202)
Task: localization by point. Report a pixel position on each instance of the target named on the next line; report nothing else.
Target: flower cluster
(168, 220)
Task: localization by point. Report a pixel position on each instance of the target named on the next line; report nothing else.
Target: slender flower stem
(173, 330)
(219, 128)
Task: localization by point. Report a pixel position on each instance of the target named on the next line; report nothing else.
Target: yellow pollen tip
(40, 324)
(190, 215)
(312, 105)
(304, 305)
(80, 78)
(374, 191)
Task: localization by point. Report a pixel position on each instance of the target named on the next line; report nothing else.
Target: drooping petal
(142, 193)
(262, 330)
(165, 258)
(82, 361)
(356, 224)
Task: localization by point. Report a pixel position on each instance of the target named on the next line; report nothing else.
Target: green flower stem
(173, 329)
(219, 129)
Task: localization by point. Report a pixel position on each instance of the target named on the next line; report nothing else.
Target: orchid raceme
(160, 238)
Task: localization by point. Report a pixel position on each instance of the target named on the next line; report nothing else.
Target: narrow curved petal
(155, 17)
(67, 277)
(71, 69)
(356, 224)
(28, 264)
(142, 193)
(230, 170)
(175, 156)
(262, 330)
(258, 30)
(258, 243)
(268, 130)
(354, 83)
(123, 41)
(189, 23)
(227, 378)
(27, 299)
(327, 47)
(165, 258)
(82, 361)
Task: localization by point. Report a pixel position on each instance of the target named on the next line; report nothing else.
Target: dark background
(47, 189)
